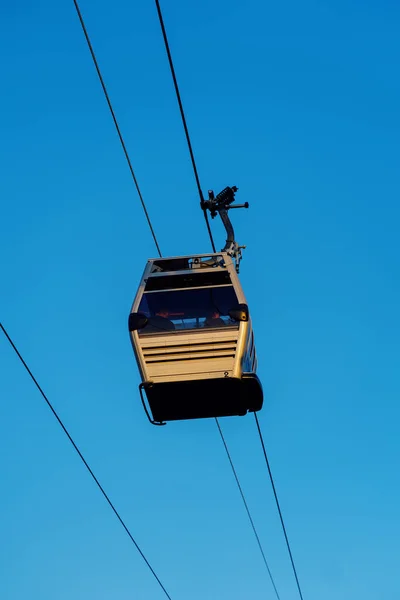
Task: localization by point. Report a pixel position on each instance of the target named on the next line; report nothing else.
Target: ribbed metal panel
(198, 353)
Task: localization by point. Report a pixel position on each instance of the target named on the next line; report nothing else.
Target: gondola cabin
(193, 340)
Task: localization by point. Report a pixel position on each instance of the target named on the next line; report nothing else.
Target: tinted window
(188, 309)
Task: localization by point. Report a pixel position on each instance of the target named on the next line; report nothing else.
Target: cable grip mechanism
(221, 204)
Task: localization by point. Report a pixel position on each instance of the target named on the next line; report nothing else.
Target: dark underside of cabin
(206, 398)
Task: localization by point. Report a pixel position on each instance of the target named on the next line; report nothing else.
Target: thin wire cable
(189, 143)
(196, 174)
(84, 461)
(178, 96)
(278, 505)
(247, 508)
(121, 139)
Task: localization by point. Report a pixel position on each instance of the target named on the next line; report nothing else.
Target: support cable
(247, 508)
(84, 462)
(185, 127)
(159, 252)
(278, 506)
(196, 175)
(121, 139)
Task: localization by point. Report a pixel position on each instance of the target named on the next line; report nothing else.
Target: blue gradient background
(298, 105)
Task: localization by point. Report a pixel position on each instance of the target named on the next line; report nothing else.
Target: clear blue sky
(298, 105)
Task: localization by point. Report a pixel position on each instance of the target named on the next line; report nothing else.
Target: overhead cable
(196, 175)
(189, 143)
(278, 506)
(121, 139)
(84, 461)
(247, 508)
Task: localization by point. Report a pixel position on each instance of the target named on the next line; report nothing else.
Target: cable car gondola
(192, 334)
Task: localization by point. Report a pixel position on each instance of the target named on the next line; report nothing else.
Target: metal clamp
(220, 204)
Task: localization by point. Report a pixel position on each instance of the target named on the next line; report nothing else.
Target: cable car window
(164, 282)
(188, 309)
(185, 263)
